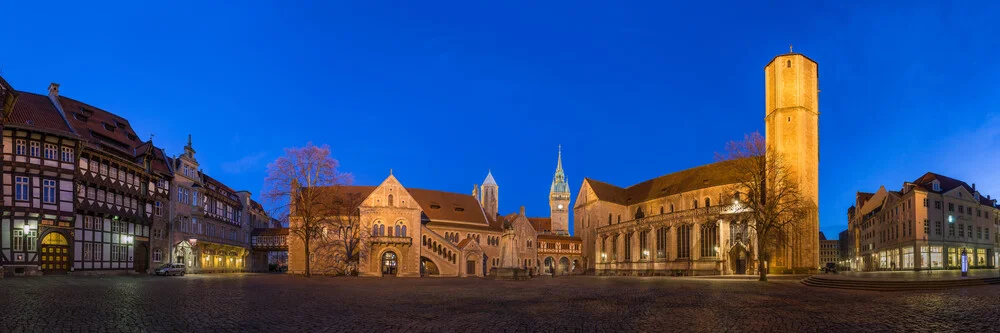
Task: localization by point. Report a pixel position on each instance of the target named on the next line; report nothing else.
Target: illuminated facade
(418, 232)
(928, 223)
(683, 223)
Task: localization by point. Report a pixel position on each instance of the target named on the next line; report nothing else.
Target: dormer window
(435, 206)
(459, 209)
(108, 127)
(937, 185)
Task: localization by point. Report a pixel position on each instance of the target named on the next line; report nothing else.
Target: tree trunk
(308, 269)
(761, 259)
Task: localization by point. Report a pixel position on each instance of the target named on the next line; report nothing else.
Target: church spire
(559, 179)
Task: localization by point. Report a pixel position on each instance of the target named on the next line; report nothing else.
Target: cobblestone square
(282, 303)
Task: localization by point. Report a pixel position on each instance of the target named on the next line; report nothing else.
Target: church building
(419, 232)
(685, 222)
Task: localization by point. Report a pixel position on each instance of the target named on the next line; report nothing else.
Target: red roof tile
(541, 224)
(447, 206)
(709, 175)
(37, 111)
(100, 127)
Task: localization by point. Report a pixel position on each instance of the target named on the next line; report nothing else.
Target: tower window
(789, 119)
(789, 64)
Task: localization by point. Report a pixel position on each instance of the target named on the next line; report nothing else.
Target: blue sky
(442, 92)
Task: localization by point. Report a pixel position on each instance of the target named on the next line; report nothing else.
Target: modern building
(683, 223)
(829, 250)
(928, 223)
(418, 232)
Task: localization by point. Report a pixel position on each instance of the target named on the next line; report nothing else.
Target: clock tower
(559, 200)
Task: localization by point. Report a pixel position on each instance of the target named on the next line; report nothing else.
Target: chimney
(522, 210)
(54, 89)
(973, 187)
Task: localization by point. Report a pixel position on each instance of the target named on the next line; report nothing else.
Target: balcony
(391, 240)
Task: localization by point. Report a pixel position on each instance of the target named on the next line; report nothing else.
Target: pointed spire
(559, 161)
(559, 179)
(189, 140)
(489, 179)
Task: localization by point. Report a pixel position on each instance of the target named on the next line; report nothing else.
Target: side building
(829, 251)
(208, 233)
(927, 224)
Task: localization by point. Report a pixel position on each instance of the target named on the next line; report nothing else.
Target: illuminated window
(20, 147)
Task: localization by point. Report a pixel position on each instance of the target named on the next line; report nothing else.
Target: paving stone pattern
(281, 303)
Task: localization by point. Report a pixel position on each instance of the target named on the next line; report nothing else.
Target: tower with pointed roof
(559, 198)
(489, 198)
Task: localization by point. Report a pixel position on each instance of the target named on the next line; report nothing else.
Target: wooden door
(55, 253)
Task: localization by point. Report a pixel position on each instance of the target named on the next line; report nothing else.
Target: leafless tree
(290, 188)
(342, 242)
(768, 195)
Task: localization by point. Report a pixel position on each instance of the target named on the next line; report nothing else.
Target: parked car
(170, 269)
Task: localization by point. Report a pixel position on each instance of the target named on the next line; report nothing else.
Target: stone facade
(925, 225)
(417, 232)
(683, 223)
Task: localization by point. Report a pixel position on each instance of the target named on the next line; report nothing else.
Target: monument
(509, 260)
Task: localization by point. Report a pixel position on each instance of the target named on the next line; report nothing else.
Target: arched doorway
(428, 267)
(389, 264)
(549, 265)
(740, 259)
(563, 265)
(55, 253)
(141, 258)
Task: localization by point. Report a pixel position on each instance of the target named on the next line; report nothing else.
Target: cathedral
(418, 232)
(684, 223)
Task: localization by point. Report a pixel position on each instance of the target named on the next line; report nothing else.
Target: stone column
(696, 241)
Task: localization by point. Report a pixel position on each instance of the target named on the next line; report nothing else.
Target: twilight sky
(442, 92)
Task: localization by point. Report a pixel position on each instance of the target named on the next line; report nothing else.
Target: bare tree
(341, 243)
(768, 195)
(290, 188)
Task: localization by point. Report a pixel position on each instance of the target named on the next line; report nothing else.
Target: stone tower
(489, 197)
(792, 129)
(559, 199)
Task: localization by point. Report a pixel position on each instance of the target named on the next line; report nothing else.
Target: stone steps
(897, 285)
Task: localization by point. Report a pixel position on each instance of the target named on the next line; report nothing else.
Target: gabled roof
(37, 111)
(541, 224)
(158, 159)
(709, 175)
(448, 206)
(100, 126)
(947, 183)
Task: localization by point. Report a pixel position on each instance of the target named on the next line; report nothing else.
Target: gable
(390, 193)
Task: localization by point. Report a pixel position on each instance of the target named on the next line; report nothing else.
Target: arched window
(661, 210)
(671, 208)
(397, 231)
(789, 64)
(381, 230)
(390, 200)
(609, 218)
(696, 203)
(639, 214)
(708, 202)
(619, 218)
(403, 229)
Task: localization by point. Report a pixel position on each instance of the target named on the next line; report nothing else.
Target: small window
(435, 207)
(390, 200)
(459, 209)
(789, 64)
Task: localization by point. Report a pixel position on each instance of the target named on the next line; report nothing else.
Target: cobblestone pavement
(281, 303)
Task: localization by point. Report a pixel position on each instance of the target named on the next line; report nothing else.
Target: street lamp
(27, 229)
(649, 260)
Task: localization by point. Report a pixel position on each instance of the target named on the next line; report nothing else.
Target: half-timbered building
(38, 166)
(115, 190)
